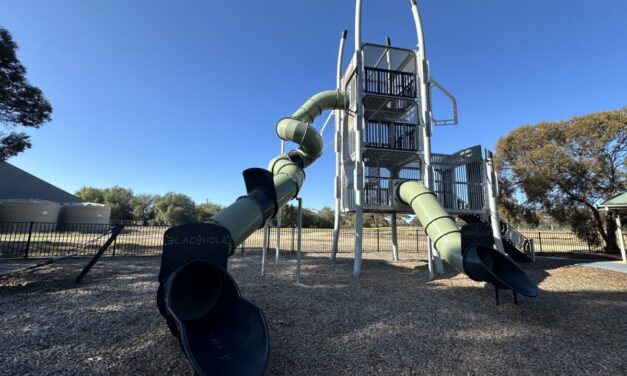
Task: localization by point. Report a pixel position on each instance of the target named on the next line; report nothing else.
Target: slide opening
(486, 257)
(195, 290)
(483, 263)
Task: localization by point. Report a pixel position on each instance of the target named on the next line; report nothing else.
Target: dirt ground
(391, 320)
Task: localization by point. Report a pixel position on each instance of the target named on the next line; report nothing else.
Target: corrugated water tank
(18, 213)
(85, 212)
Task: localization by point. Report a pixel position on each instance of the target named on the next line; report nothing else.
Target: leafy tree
(206, 210)
(21, 104)
(121, 202)
(91, 194)
(174, 209)
(289, 216)
(322, 218)
(144, 207)
(325, 218)
(119, 199)
(347, 220)
(566, 168)
(309, 218)
(375, 220)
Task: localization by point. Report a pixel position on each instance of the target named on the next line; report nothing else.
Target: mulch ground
(391, 320)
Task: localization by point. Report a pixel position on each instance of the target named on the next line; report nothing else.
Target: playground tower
(384, 164)
(383, 138)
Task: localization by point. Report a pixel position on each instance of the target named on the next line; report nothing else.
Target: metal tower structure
(383, 139)
(383, 132)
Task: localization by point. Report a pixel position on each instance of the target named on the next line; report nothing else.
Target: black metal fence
(560, 242)
(30, 239)
(33, 239)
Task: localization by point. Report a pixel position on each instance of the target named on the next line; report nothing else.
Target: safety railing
(388, 82)
(394, 136)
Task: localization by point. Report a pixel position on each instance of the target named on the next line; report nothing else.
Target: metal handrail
(455, 119)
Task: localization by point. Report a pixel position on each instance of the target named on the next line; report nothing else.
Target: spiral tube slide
(479, 262)
(220, 332)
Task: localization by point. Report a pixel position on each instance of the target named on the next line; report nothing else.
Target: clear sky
(182, 96)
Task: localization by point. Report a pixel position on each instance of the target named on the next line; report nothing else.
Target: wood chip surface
(390, 321)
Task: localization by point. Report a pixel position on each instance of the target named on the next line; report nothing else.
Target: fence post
(540, 240)
(588, 242)
(417, 241)
(30, 232)
(293, 230)
(377, 240)
(114, 243)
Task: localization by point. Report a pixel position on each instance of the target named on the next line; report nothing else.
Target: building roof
(16, 183)
(616, 202)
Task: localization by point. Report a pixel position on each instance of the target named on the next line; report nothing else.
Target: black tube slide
(483, 263)
(220, 332)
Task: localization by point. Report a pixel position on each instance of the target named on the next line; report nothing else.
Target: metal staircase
(516, 245)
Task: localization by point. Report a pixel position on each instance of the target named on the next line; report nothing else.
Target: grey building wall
(17, 183)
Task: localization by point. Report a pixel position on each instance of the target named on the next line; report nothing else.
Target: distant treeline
(177, 208)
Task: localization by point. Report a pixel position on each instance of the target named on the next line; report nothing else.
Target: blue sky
(178, 96)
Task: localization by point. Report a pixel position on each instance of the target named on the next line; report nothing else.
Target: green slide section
(220, 332)
(479, 262)
(246, 215)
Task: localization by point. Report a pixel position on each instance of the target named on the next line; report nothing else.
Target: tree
(375, 220)
(91, 194)
(289, 216)
(143, 207)
(206, 210)
(21, 104)
(120, 200)
(325, 218)
(566, 168)
(174, 209)
(322, 218)
(347, 220)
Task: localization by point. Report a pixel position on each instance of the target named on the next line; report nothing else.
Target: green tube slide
(245, 216)
(220, 332)
(479, 262)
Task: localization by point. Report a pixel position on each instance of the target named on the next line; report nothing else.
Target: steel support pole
(621, 241)
(266, 233)
(298, 243)
(425, 119)
(358, 172)
(338, 154)
(394, 238)
(278, 237)
(492, 194)
(388, 53)
(278, 220)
